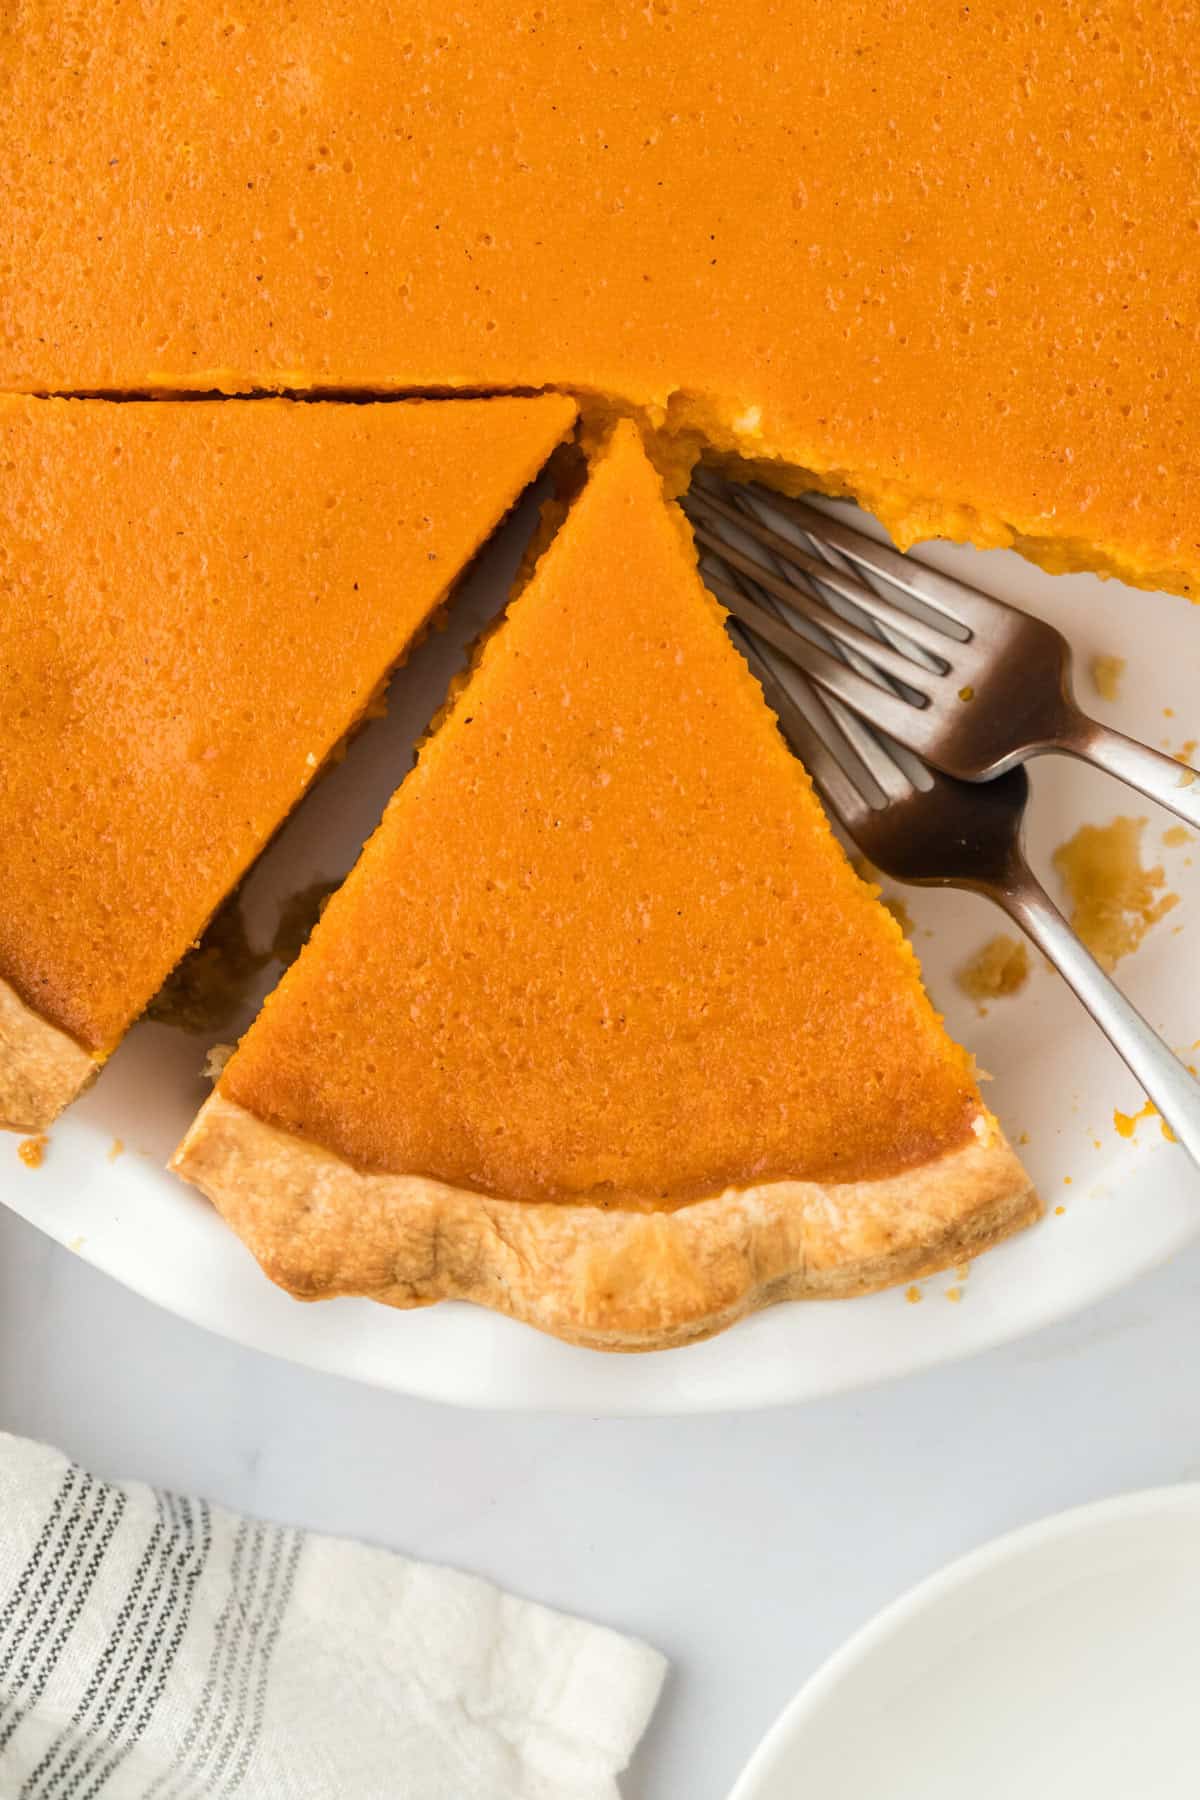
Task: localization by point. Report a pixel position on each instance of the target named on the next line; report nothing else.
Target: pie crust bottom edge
(42, 1069)
(605, 1277)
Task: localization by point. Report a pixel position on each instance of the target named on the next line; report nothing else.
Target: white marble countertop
(745, 1547)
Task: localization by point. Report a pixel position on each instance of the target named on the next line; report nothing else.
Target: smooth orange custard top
(948, 255)
(197, 600)
(604, 942)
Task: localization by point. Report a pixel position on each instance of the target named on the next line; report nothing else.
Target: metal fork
(921, 826)
(972, 685)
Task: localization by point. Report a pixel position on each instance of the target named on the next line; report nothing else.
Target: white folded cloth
(154, 1647)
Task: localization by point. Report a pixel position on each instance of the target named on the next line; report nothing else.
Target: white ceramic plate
(1127, 1204)
(1060, 1661)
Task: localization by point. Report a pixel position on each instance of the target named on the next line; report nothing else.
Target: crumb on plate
(998, 969)
(32, 1150)
(215, 1059)
(1114, 899)
(1106, 673)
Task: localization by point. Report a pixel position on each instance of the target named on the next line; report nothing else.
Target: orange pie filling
(200, 600)
(943, 258)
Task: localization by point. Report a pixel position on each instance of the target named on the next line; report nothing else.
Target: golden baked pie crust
(611, 1278)
(41, 1068)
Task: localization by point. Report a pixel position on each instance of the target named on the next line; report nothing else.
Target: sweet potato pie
(602, 1030)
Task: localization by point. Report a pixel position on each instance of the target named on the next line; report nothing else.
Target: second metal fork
(923, 827)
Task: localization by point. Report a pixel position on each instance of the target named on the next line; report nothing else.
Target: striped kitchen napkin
(154, 1647)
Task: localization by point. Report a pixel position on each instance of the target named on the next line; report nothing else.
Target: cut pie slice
(197, 602)
(603, 1030)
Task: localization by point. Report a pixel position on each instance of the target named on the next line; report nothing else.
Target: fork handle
(1173, 1089)
(1160, 777)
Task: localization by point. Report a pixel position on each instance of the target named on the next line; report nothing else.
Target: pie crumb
(1114, 899)
(215, 1060)
(1059, 1211)
(913, 1295)
(115, 1149)
(32, 1150)
(955, 1294)
(1176, 836)
(1106, 673)
(1000, 968)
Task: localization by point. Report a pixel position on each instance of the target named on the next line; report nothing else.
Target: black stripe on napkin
(146, 1635)
(181, 1561)
(101, 1690)
(192, 1753)
(41, 1575)
(244, 1733)
(16, 1599)
(228, 1719)
(110, 1509)
(65, 1587)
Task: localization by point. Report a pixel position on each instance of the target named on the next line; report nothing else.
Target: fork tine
(953, 599)
(887, 764)
(882, 655)
(848, 586)
(843, 797)
(882, 707)
(832, 604)
(891, 634)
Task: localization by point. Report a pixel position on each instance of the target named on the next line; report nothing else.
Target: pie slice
(197, 602)
(603, 1030)
(944, 257)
